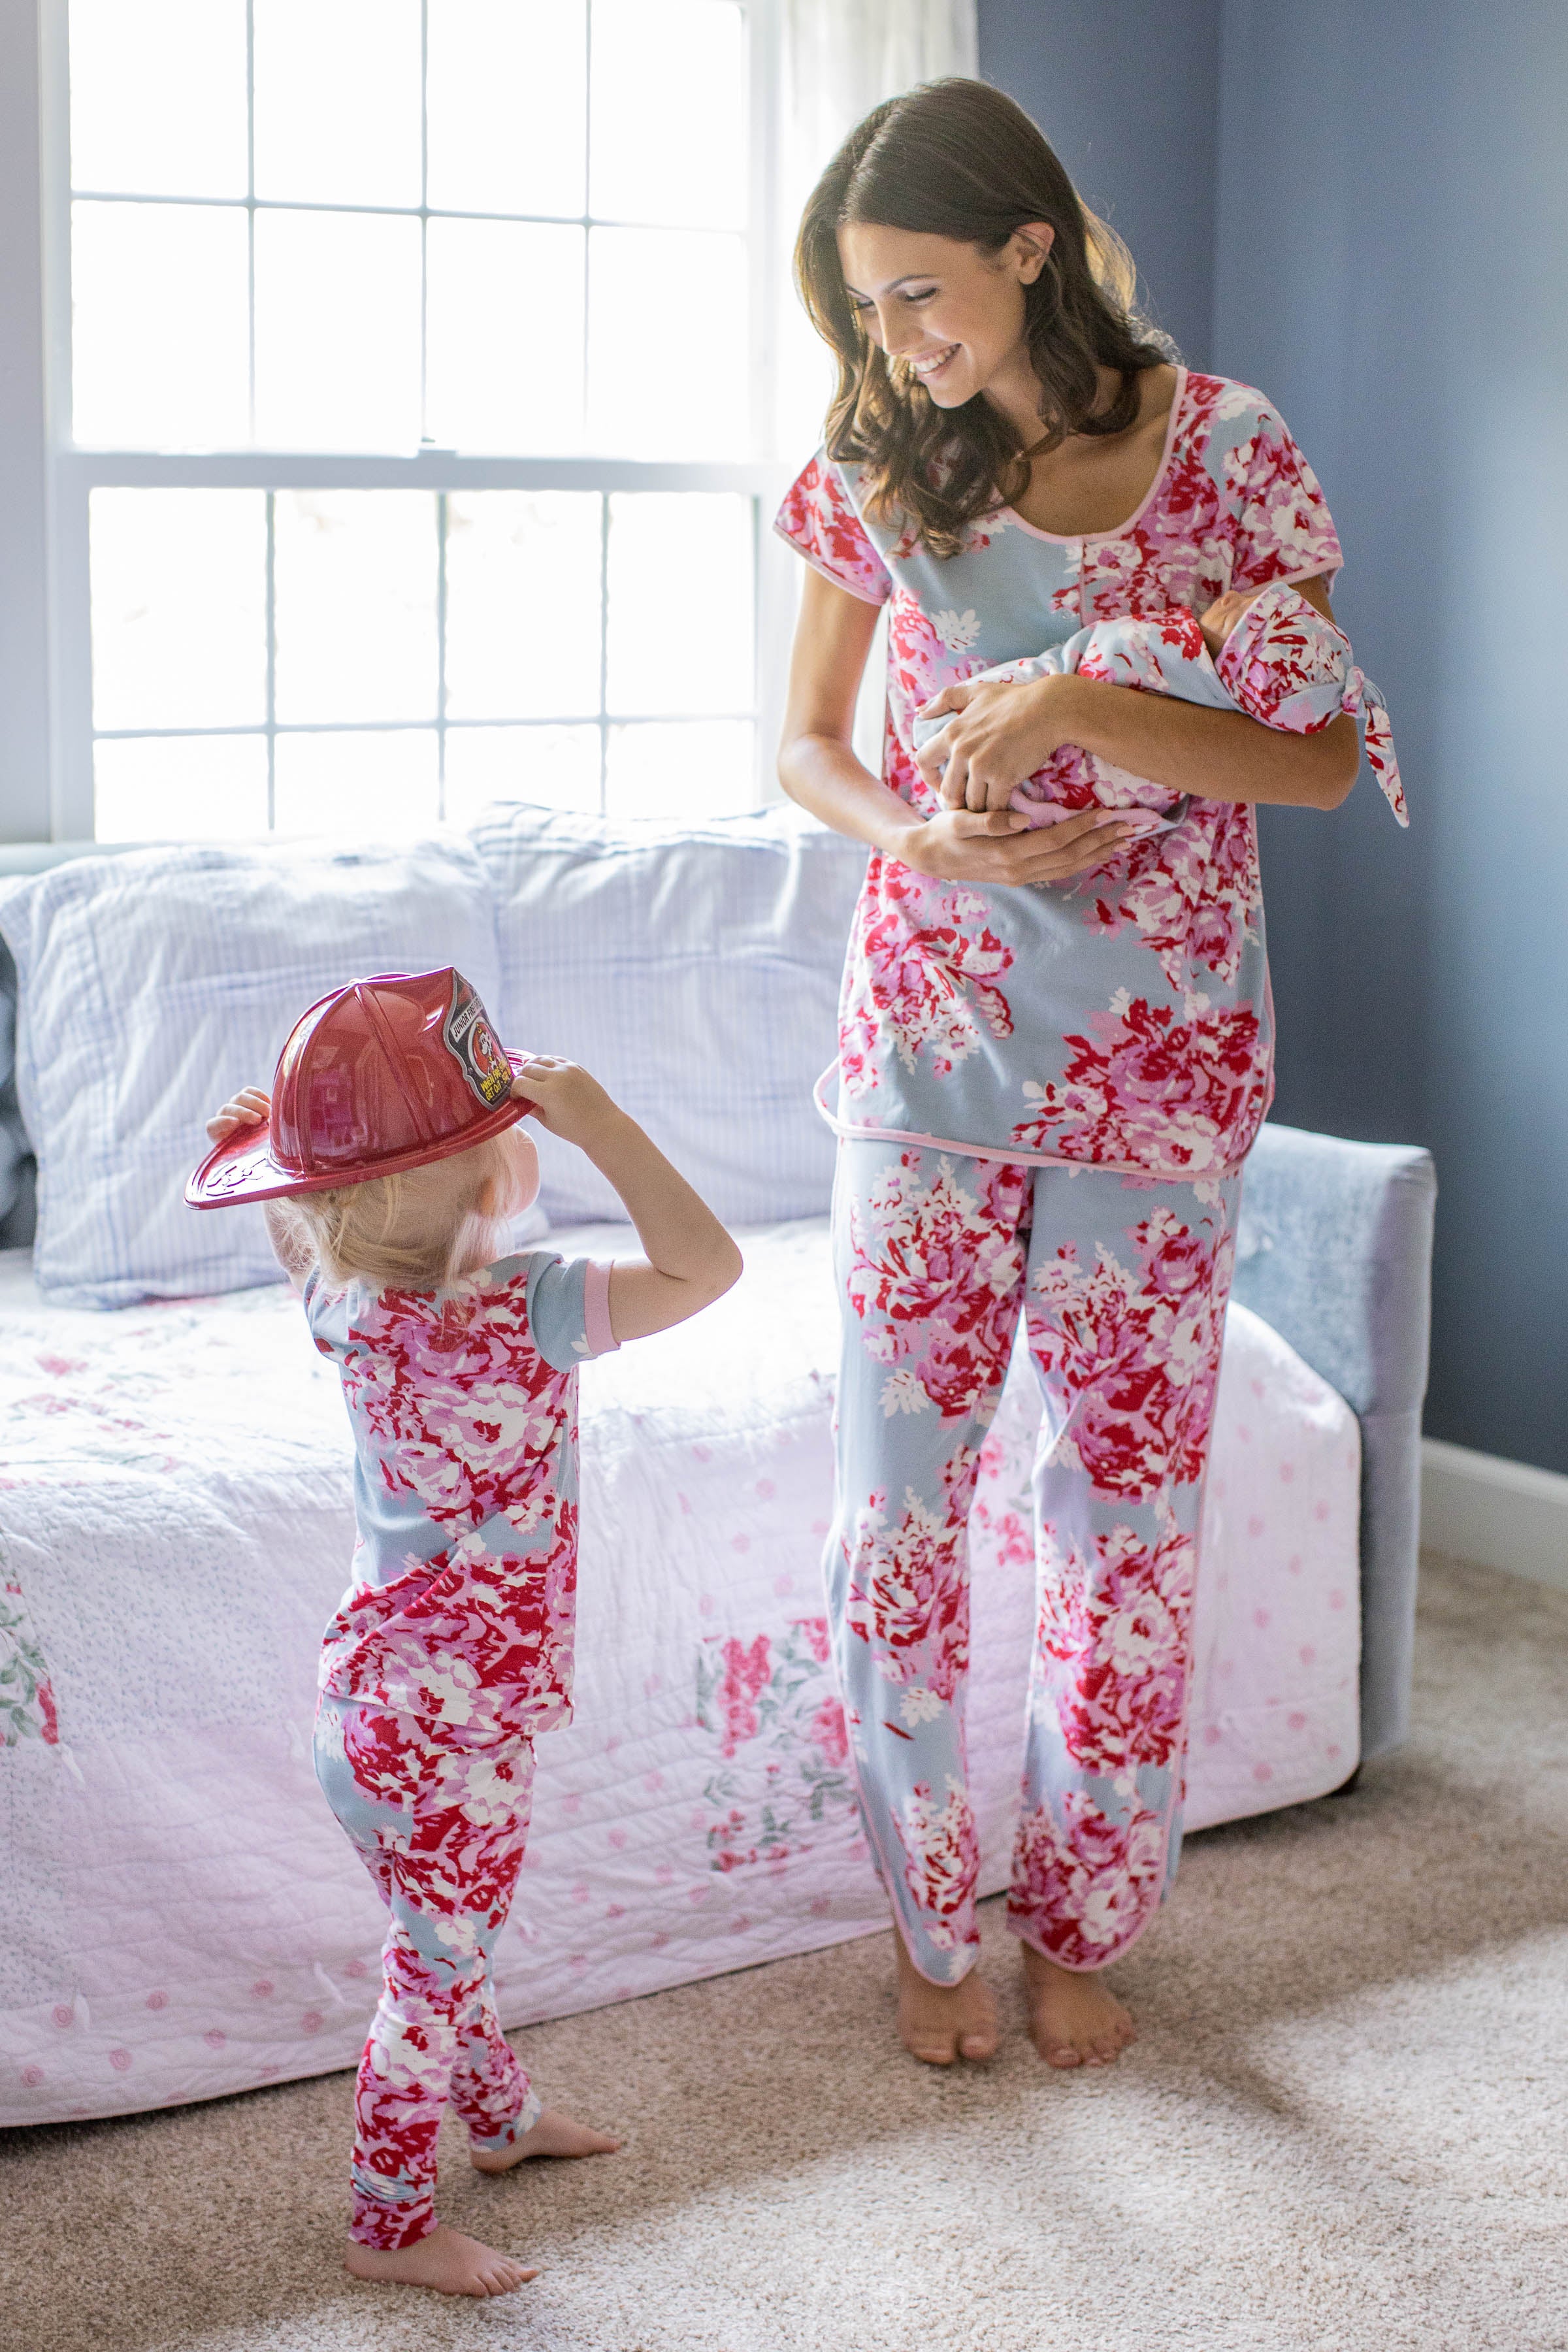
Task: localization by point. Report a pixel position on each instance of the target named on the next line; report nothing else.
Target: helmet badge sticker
(469, 1039)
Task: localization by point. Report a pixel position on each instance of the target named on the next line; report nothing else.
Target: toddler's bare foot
(556, 2134)
(938, 2023)
(446, 2259)
(1075, 2020)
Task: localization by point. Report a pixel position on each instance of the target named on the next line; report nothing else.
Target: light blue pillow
(155, 981)
(694, 970)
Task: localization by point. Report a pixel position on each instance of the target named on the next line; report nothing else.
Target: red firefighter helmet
(384, 1074)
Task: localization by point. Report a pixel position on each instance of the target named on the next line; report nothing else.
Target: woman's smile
(911, 289)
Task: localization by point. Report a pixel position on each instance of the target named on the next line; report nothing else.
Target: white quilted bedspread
(179, 1915)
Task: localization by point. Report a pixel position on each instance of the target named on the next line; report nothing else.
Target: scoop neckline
(1092, 538)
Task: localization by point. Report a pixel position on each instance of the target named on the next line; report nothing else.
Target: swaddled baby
(1280, 661)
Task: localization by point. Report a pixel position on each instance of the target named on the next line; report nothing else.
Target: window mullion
(71, 632)
(761, 223)
(251, 264)
(604, 651)
(271, 608)
(587, 230)
(442, 469)
(425, 434)
(441, 521)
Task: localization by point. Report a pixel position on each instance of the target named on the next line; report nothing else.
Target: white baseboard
(1503, 1514)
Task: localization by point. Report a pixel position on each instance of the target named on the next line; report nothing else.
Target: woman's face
(951, 310)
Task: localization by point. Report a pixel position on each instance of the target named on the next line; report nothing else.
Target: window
(418, 448)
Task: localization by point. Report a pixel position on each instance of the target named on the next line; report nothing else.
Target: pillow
(13, 1145)
(155, 981)
(695, 970)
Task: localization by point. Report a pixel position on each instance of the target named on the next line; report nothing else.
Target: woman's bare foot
(1075, 2019)
(938, 2023)
(556, 2134)
(446, 2259)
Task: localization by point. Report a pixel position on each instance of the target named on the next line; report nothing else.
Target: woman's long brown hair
(959, 158)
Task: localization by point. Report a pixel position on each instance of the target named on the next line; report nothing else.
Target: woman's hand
(1003, 733)
(1001, 847)
(248, 1107)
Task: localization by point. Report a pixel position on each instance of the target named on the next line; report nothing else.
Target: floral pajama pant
(1122, 1283)
(441, 1828)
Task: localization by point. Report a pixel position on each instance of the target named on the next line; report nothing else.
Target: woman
(1055, 1044)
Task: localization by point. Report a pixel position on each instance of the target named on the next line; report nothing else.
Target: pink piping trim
(1093, 538)
(601, 1338)
(847, 1134)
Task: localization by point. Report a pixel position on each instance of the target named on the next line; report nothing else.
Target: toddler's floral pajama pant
(441, 1828)
(1122, 1283)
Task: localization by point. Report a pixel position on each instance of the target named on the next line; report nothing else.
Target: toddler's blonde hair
(416, 1230)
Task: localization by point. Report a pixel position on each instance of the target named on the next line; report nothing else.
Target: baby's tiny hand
(249, 1107)
(1223, 615)
(565, 1100)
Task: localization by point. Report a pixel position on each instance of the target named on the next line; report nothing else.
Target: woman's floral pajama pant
(1122, 1283)
(441, 1828)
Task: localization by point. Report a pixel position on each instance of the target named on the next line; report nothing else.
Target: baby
(391, 1163)
(1270, 653)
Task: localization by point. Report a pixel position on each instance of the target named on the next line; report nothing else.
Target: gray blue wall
(1388, 227)
(1128, 94)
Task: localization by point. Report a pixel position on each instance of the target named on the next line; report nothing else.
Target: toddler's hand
(249, 1107)
(565, 1100)
(1223, 615)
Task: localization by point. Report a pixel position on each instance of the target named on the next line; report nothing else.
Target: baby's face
(1223, 615)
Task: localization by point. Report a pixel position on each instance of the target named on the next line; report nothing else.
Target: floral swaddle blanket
(1283, 663)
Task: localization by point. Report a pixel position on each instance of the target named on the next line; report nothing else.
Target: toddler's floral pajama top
(451, 1652)
(1044, 1097)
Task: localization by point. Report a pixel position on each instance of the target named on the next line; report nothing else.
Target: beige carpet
(1345, 2128)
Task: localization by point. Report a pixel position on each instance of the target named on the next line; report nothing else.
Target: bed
(181, 1919)
(185, 1919)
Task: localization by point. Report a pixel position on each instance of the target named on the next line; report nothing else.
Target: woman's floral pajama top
(1045, 1096)
(451, 1652)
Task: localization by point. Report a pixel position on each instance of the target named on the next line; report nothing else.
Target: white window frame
(46, 482)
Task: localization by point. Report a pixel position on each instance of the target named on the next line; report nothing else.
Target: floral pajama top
(463, 1405)
(1123, 1020)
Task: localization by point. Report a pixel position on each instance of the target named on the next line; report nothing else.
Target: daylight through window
(416, 400)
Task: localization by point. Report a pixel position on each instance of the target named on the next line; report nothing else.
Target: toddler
(391, 1163)
(1270, 653)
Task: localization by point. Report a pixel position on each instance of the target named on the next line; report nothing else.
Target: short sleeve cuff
(818, 520)
(601, 1338)
(869, 590)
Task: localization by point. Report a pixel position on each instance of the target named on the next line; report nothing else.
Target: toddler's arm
(248, 1107)
(692, 1260)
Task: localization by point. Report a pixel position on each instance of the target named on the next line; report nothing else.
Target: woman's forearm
(1216, 755)
(823, 776)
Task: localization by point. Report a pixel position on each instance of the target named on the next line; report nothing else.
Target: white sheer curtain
(836, 59)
